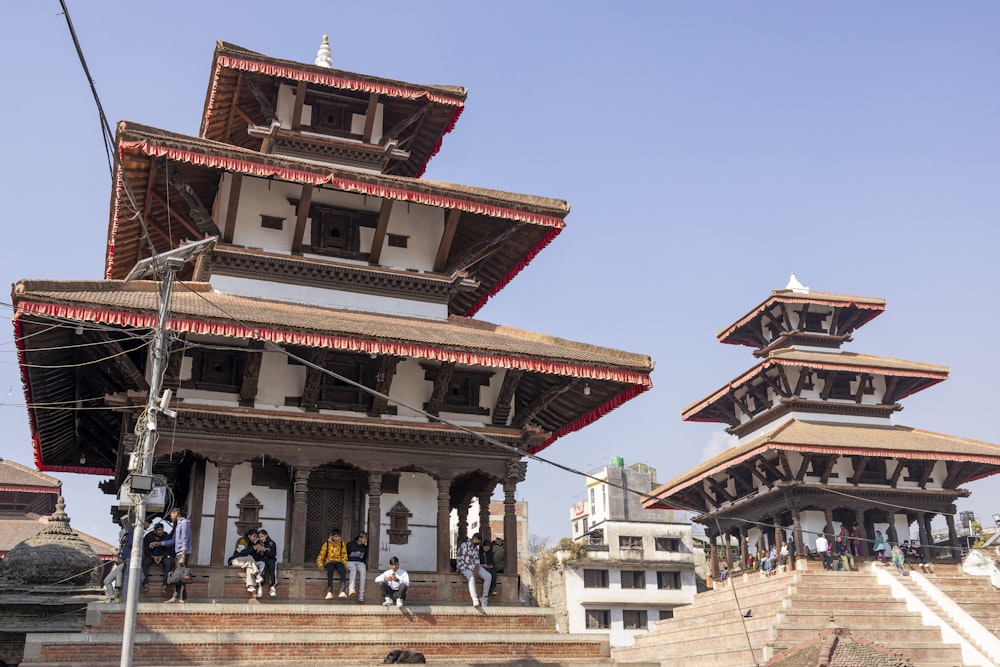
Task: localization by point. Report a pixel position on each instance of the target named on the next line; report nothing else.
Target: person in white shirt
(823, 549)
(393, 583)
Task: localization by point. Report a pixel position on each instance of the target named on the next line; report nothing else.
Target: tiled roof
(16, 528)
(836, 438)
(787, 296)
(15, 474)
(199, 302)
(129, 132)
(836, 647)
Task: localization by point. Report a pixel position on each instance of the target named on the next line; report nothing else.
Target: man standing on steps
(467, 562)
(823, 549)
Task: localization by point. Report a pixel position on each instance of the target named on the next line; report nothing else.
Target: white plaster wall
(410, 388)
(328, 298)
(424, 225)
(279, 379)
(418, 493)
(262, 197)
(813, 523)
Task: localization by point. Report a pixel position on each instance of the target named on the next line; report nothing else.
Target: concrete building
(628, 567)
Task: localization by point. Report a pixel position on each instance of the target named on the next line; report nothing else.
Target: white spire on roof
(795, 286)
(323, 57)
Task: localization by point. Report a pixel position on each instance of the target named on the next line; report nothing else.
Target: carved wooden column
(463, 520)
(858, 519)
(225, 470)
(300, 497)
(515, 472)
(728, 535)
(374, 518)
(926, 541)
(800, 546)
(444, 525)
(744, 536)
(890, 532)
(952, 534)
(484, 515)
(715, 556)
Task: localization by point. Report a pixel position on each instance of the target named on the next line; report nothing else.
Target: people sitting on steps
(393, 583)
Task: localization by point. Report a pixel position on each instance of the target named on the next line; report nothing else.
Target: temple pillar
(744, 547)
(828, 529)
(443, 524)
(729, 549)
(952, 535)
(510, 536)
(300, 498)
(463, 520)
(484, 515)
(890, 532)
(800, 546)
(865, 550)
(221, 522)
(374, 518)
(930, 552)
(925, 534)
(715, 556)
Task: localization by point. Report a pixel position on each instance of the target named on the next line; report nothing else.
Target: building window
(630, 542)
(271, 222)
(595, 578)
(814, 322)
(666, 613)
(840, 385)
(597, 536)
(668, 580)
(668, 544)
(462, 394)
(598, 619)
(337, 231)
(398, 241)
(337, 394)
(634, 619)
(334, 117)
(215, 370)
(593, 503)
(633, 579)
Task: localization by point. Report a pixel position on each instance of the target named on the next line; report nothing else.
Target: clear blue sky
(708, 149)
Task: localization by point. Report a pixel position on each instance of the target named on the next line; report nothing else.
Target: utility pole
(140, 481)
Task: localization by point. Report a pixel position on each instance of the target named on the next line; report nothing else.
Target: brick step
(858, 619)
(315, 634)
(797, 633)
(223, 617)
(281, 649)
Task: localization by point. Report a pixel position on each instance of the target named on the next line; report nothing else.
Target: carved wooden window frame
(464, 390)
(216, 370)
(335, 394)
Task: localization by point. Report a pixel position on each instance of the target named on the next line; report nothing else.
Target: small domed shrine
(56, 556)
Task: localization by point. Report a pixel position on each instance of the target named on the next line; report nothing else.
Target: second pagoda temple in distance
(337, 268)
(816, 447)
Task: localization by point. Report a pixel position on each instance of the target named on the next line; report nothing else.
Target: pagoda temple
(336, 269)
(816, 447)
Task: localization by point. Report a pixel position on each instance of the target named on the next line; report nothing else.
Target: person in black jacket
(155, 554)
(245, 556)
(486, 561)
(267, 551)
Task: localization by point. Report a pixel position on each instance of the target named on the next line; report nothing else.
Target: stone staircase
(975, 595)
(308, 634)
(787, 609)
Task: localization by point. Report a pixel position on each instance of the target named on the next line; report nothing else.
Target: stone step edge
(250, 637)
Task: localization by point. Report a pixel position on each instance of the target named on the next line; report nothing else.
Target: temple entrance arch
(336, 499)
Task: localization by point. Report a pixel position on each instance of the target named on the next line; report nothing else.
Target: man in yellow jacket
(333, 556)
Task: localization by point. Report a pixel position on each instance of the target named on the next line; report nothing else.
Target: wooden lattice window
(337, 231)
(398, 241)
(815, 322)
(216, 370)
(334, 117)
(271, 222)
(336, 393)
(463, 392)
(399, 520)
(249, 513)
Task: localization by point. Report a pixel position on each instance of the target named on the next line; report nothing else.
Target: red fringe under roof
(279, 336)
(594, 415)
(337, 82)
